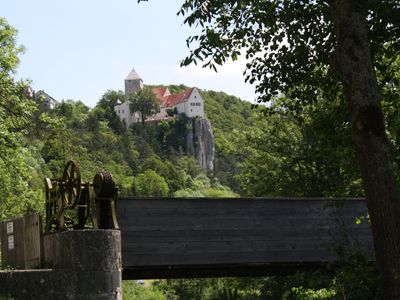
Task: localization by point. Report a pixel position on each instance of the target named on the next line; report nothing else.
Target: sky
(78, 49)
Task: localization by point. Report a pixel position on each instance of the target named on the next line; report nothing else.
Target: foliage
(144, 102)
(309, 49)
(202, 186)
(173, 177)
(16, 111)
(150, 184)
(165, 137)
(304, 154)
(133, 291)
(189, 165)
(21, 189)
(174, 134)
(172, 112)
(390, 98)
(104, 110)
(356, 280)
(237, 117)
(180, 289)
(308, 294)
(289, 44)
(307, 156)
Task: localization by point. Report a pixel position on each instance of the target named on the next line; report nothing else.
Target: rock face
(200, 143)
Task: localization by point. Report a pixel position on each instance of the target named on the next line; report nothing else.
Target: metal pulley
(103, 184)
(70, 203)
(105, 194)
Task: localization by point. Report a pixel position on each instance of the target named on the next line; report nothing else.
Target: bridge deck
(195, 237)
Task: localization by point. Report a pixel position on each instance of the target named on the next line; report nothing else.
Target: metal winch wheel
(72, 184)
(70, 202)
(103, 184)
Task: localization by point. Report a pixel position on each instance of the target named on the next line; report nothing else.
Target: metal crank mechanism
(105, 196)
(72, 204)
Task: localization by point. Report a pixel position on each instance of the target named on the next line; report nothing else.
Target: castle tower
(133, 83)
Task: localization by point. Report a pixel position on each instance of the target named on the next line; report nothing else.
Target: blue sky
(78, 49)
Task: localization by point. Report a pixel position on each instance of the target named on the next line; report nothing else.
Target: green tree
(150, 184)
(105, 109)
(303, 155)
(301, 47)
(202, 186)
(15, 107)
(144, 102)
(18, 185)
(174, 179)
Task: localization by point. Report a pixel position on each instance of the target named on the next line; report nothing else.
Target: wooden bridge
(197, 237)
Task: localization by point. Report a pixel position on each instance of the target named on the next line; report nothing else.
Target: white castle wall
(195, 105)
(192, 107)
(124, 113)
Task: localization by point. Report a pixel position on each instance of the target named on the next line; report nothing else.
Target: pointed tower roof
(133, 75)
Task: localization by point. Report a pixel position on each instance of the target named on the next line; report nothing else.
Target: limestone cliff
(200, 143)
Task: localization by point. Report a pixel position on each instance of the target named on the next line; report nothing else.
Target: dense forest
(259, 151)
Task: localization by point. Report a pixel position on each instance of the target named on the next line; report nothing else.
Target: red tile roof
(160, 92)
(175, 99)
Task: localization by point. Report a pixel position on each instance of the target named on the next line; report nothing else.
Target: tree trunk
(354, 66)
(143, 117)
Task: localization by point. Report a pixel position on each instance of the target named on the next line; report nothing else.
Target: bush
(133, 291)
(150, 184)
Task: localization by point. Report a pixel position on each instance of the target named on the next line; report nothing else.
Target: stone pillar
(90, 259)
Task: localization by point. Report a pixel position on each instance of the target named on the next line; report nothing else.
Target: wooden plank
(239, 212)
(227, 246)
(169, 233)
(12, 243)
(175, 259)
(284, 251)
(241, 235)
(21, 242)
(206, 236)
(223, 270)
(298, 228)
(32, 240)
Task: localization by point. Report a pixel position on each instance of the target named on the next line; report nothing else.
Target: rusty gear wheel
(72, 184)
(103, 184)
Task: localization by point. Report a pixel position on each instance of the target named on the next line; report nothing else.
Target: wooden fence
(21, 240)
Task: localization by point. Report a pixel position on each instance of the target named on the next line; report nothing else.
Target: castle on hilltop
(188, 102)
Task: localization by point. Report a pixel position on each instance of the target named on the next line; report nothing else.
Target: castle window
(118, 111)
(122, 111)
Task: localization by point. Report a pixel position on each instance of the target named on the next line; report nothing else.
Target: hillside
(97, 140)
(254, 155)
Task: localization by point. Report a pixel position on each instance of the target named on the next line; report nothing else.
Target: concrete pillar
(89, 259)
